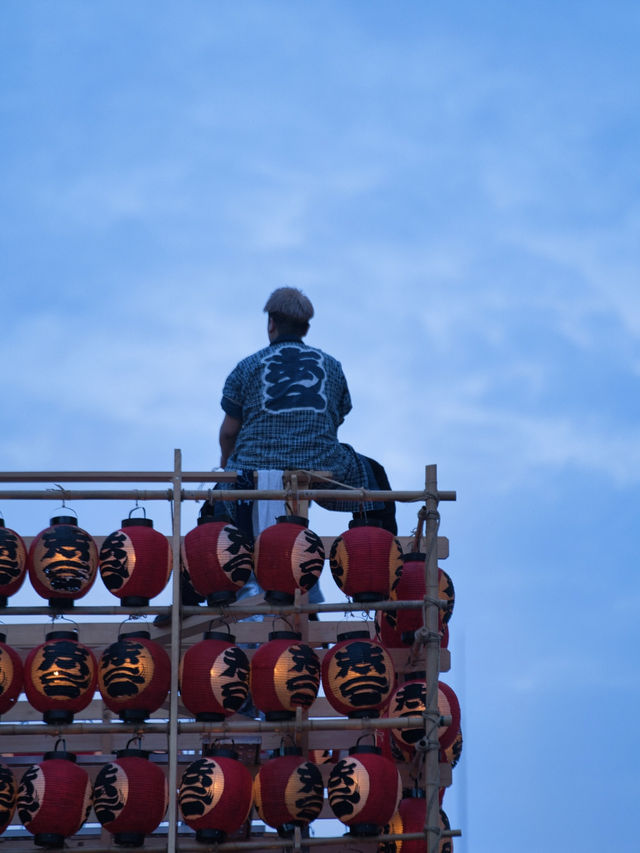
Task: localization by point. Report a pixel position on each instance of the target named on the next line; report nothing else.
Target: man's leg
(387, 515)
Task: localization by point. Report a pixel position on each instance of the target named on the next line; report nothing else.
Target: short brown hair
(290, 303)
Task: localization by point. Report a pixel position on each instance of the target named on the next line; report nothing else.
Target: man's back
(291, 399)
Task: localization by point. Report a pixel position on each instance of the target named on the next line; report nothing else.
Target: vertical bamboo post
(175, 656)
(432, 661)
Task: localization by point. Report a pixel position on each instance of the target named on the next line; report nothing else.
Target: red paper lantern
(11, 675)
(215, 795)
(364, 790)
(54, 798)
(287, 556)
(357, 675)
(285, 674)
(288, 792)
(214, 677)
(217, 559)
(411, 817)
(365, 562)
(60, 676)
(136, 562)
(13, 562)
(134, 676)
(130, 797)
(8, 796)
(411, 587)
(62, 562)
(409, 699)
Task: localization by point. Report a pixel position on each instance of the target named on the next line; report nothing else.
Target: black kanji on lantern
(122, 668)
(303, 687)
(65, 669)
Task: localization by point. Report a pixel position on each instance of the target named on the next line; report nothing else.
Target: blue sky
(456, 188)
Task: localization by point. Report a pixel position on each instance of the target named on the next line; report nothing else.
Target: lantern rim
(132, 752)
(61, 635)
(139, 632)
(276, 596)
(62, 754)
(356, 634)
(219, 635)
(285, 635)
(361, 748)
(64, 519)
(414, 557)
(300, 520)
(221, 596)
(364, 522)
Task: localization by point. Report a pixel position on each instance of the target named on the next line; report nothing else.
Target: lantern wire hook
(64, 502)
(58, 614)
(137, 506)
(220, 622)
(283, 618)
(137, 737)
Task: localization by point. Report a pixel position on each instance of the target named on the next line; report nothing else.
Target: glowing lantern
(364, 790)
(215, 795)
(11, 675)
(130, 797)
(8, 796)
(411, 817)
(285, 674)
(13, 562)
(217, 558)
(214, 677)
(287, 556)
(410, 698)
(60, 676)
(54, 798)
(357, 675)
(288, 792)
(366, 561)
(62, 562)
(134, 676)
(135, 562)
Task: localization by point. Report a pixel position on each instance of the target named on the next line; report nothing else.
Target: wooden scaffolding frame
(98, 734)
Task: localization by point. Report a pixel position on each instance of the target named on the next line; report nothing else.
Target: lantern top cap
(137, 632)
(64, 519)
(414, 557)
(291, 303)
(136, 521)
(132, 752)
(62, 635)
(60, 754)
(292, 519)
(365, 747)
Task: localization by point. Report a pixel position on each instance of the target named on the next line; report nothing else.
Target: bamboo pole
(175, 656)
(365, 724)
(349, 495)
(432, 663)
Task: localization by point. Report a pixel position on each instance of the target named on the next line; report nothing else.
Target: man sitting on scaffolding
(283, 406)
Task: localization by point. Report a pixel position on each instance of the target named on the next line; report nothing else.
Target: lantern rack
(318, 729)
